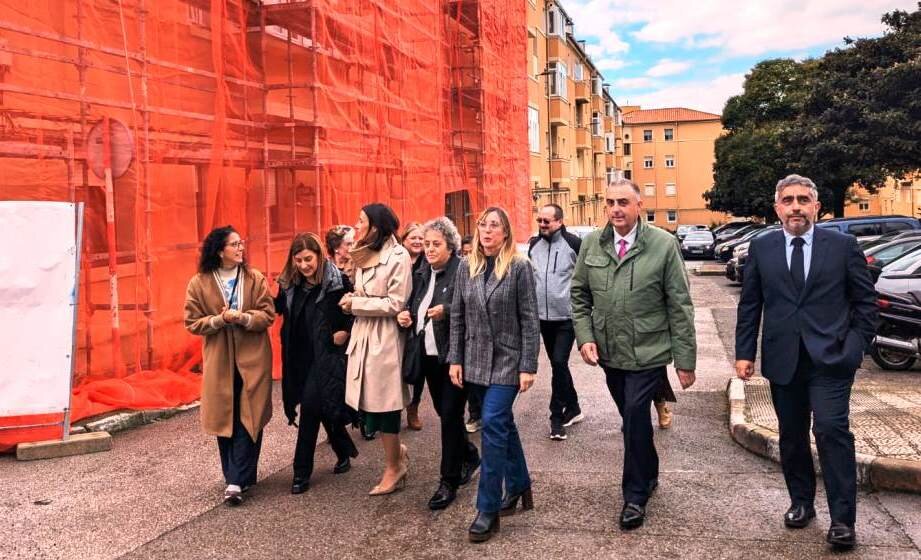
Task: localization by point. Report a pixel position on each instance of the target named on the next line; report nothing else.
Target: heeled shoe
(510, 503)
(404, 457)
(484, 526)
(399, 484)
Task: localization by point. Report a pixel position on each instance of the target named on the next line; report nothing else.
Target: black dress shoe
(841, 536)
(442, 497)
(798, 517)
(510, 503)
(300, 485)
(343, 466)
(484, 526)
(632, 516)
(469, 468)
(653, 486)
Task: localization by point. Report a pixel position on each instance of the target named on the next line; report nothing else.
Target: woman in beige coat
(374, 381)
(229, 305)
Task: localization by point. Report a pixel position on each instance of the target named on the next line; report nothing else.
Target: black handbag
(412, 355)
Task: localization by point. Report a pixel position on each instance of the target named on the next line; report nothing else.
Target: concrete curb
(710, 270)
(126, 420)
(879, 473)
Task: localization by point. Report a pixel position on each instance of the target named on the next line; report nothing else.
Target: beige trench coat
(374, 380)
(225, 345)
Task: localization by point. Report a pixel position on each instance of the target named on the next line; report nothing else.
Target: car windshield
(699, 236)
(890, 251)
(904, 262)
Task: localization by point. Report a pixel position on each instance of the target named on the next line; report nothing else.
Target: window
(535, 59)
(558, 79)
(596, 85)
(577, 73)
(649, 189)
(596, 124)
(895, 226)
(199, 17)
(534, 129)
(281, 201)
(669, 161)
(669, 134)
(863, 205)
(609, 143)
(651, 216)
(626, 149)
(670, 189)
(612, 175)
(905, 183)
(647, 162)
(671, 216)
(647, 136)
(628, 174)
(554, 22)
(860, 230)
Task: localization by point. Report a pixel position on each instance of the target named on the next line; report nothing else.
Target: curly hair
(336, 236)
(447, 229)
(211, 247)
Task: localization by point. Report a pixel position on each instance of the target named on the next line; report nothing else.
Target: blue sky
(671, 53)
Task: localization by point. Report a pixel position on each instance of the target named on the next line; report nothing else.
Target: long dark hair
(384, 223)
(290, 275)
(211, 247)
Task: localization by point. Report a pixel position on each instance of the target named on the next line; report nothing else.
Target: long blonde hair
(476, 260)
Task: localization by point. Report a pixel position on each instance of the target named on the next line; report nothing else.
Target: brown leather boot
(412, 417)
(665, 415)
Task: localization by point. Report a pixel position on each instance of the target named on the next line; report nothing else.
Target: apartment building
(902, 196)
(574, 125)
(669, 153)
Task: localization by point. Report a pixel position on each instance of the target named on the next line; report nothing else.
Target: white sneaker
(474, 426)
(574, 420)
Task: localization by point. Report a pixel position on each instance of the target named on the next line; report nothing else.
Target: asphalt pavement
(157, 494)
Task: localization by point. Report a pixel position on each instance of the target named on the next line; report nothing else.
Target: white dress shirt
(630, 238)
(807, 249)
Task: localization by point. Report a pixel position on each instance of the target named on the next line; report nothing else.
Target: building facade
(574, 125)
(901, 196)
(669, 153)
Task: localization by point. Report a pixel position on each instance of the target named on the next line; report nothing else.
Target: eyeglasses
(237, 244)
(489, 225)
(544, 221)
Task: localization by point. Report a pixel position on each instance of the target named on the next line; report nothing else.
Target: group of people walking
(372, 317)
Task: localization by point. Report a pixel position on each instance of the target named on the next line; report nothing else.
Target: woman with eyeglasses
(229, 305)
(313, 338)
(374, 380)
(413, 241)
(494, 345)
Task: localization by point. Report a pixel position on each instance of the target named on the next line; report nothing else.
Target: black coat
(318, 386)
(444, 294)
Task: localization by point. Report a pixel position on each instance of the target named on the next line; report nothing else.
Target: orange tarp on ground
(277, 117)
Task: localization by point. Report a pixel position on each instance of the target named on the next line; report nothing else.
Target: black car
(724, 250)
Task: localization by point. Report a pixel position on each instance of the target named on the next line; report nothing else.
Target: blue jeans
(502, 456)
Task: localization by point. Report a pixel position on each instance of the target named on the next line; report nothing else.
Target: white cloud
(633, 83)
(747, 28)
(667, 67)
(705, 95)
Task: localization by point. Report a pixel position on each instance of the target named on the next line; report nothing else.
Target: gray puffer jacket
(554, 261)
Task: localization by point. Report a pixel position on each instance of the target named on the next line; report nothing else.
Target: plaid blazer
(494, 325)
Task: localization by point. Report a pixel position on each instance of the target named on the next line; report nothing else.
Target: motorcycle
(897, 344)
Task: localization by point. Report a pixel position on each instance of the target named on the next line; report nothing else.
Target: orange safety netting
(277, 117)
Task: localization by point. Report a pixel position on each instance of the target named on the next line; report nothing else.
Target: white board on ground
(38, 273)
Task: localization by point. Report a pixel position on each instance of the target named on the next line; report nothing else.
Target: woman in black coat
(313, 339)
(428, 320)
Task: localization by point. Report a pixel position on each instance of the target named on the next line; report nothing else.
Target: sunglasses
(545, 221)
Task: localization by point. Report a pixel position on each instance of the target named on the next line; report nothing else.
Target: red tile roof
(672, 114)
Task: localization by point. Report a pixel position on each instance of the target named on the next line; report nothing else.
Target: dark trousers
(308, 430)
(449, 400)
(418, 389)
(239, 453)
(503, 457)
(474, 405)
(558, 339)
(633, 392)
(825, 401)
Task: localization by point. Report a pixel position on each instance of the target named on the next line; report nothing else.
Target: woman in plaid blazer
(494, 345)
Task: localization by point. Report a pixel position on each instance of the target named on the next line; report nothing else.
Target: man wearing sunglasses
(553, 255)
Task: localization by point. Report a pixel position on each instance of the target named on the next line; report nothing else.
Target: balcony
(598, 144)
(583, 138)
(600, 185)
(556, 48)
(597, 104)
(559, 111)
(582, 90)
(609, 159)
(584, 186)
(559, 169)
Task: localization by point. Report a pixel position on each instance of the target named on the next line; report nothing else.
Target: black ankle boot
(510, 503)
(484, 526)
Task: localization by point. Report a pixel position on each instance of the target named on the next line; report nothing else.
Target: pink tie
(623, 249)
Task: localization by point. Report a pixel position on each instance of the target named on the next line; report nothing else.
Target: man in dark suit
(819, 307)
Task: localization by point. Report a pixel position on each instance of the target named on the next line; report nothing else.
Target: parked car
(698, 244)
(732, 270)
(740, 268)
(731, 227)
(896, 235)
(881, 255)
(686, 229)
(728, 235)
(871, 227)
(724, 251)
(902, 275)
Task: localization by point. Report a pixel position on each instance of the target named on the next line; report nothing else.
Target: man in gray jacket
(553, 255)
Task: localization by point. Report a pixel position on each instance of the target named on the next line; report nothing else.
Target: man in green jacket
(632, 313)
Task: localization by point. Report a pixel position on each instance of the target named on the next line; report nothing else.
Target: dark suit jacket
(494, 327)
(444, 295)
(835, 315)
